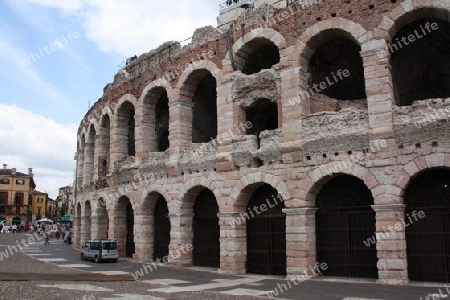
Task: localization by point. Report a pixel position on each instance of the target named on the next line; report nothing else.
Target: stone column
(85, 230)
(233, 243)
(379, 90)
(88, 162)
(300, 240)
(292, 107)
(99, 224)
(80, 169)
(181, 238)
(391, 243)
(143, 236)
(228, 121)
(99, 152)
(119, 141)
(76, 232)
(145, 131)
(180, 131)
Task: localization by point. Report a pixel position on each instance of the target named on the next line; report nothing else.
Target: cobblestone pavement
(56, 272)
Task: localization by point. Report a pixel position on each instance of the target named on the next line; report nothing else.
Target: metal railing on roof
(230, 4)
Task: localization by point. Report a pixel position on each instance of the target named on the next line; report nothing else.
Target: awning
(65, 219)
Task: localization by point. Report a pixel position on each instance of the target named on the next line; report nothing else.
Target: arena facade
(309, 132)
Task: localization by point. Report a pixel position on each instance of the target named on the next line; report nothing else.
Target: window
(40, 200)
(20, 181)
(39, 211)
(4, 181)
(3, 198)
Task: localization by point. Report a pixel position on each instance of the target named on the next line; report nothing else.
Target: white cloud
(31, 140)
(137, 26)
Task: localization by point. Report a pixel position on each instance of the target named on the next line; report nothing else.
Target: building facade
(39, 205)
(16, 196)
(64, 201)
(298, 134)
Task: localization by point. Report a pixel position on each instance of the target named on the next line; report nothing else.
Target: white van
(100, 250)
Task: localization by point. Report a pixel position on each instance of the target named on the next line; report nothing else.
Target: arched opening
(336, 72)
(427, 218)
(344, 221)
(420, 61)
(89, 155)
(162, 230)
(162, 123)
(104, 152)
(124, 226)
(204, 114)
(155, 121)
(266, 232)
(206, 230)
(263, 115)
(126, 121)
(262, 54)
(130, 249)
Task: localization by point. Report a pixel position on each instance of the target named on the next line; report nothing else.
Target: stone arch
(407, 13)
(315, 179)
(244, 188)
(100, 219)
(195, 185)
(268, 34)
(159, 83)
(186, 79)
(418, 166)
(197, 105)
(153, 119)
(419, 71)
(127, 97)
(322, 31)
(348, 82)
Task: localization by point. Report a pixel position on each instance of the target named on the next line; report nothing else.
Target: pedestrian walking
(46, 239)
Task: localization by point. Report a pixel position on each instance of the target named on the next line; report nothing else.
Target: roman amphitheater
(292, 133)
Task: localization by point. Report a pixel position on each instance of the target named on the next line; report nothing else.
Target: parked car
(100, 250)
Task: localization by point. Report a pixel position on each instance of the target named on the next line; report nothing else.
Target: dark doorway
(428, 237)
(206, 230)
(130, 248)
(162, 229)
(421, 69)
(266, 233)
(344, 221)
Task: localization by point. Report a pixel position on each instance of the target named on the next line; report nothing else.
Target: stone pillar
(99, 152)
(144, 237)
(181, 238)
(118, 229)
(76, 232)
(300, 240)
(379, 90)
(145, 131)
(99, 223)
(80, 169)
(85, 230)
(291, 109)
(226, 130)
(88, 162)
(119, 141)
(391, 243)
(233, 243)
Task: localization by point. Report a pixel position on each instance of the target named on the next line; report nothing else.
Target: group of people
(48, 230)
(13, 228)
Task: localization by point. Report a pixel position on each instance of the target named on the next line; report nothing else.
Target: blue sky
(56, 57)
